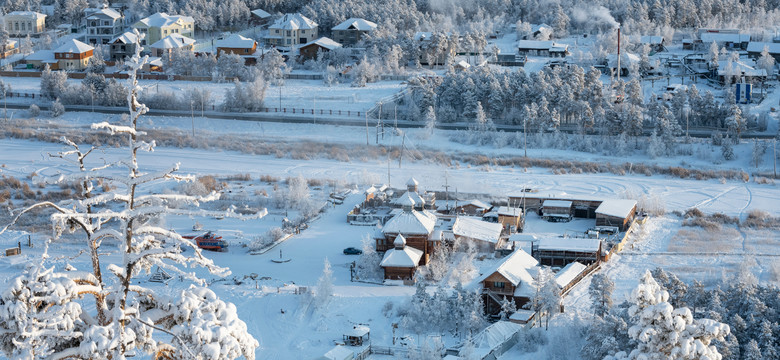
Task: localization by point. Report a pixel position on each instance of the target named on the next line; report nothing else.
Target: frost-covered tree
(547, 301)
(324, 289)
(508, 307)
(96, 64)
(128, 316)
(752, 351)
(766, 61)
(53, 83)
(663, 332)
(57, 109)
(714, 56)
(246, 97)
(430, 121)
(274, 67)
(367, 265)
(735, 123)
(600, 290)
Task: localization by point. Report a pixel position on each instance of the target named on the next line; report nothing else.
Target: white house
(23, 23)
(291, 30)
(161, 25)
(171, 42)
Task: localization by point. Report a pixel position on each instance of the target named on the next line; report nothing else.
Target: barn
(616, 212)
(485, 235)
(556, 210)
(563, 251)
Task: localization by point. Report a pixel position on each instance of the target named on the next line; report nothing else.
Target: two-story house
(170, 43)
(103, 25)
(512, 278)
(291, 30)
(161, 25)
(351, 31)
(73, 55)
(123, 46)
(23, 23)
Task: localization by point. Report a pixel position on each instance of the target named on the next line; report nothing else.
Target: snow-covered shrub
(324, 289)
(245, 97)
(367, 265)
(53, 83)
(34, 110)
(57, 109)
(271, 236)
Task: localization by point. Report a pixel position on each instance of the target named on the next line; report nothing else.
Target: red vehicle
(209, 241)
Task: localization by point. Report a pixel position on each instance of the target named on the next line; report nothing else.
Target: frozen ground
(283, 322)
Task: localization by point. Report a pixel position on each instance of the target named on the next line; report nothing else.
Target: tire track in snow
(716, 197)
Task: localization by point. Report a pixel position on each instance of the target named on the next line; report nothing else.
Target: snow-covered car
(352, 251)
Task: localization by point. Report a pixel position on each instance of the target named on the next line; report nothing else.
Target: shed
(260, 17)
(563, 251)
(616, 212)
(357, 336)
(400, 262)
(755, 48)
(556, 210)
(486, 235)
(309, 50)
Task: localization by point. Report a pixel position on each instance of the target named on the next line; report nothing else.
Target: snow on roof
(10, 43)
(720, 37)
(412, 182)
(557, 203)
(355, 24)
(739, 68)
(411, 223)
(261, 13)
(616, 207)
(522, 315)
(376, 188)
(463, 64)
(358, 331)
(407, 257)
(758, 47)
(509, 211)
(523, 237)
(73, 46)
(399, 241)
(293, 22)
(324, 42)
(571, 244)
(568, 273)
(514, 268)
(477, 229)
(535, 28)
(496, 334)
(107, 12)
(34, 14)
(163, 19)
(340, 353)
(155, 61)
(478, 204)
(236, 41)
(173, 41)
(409, 198)
(650, 39)
(540, 45)
(128, 37)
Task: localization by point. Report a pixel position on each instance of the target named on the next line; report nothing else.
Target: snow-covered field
(288, 328)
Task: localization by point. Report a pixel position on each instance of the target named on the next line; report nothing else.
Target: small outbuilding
(557, 210)
(339, 353)
(400, 262)
(358, 336)
(563, 251)
(616, 212)
(485, 235)
(310, 50)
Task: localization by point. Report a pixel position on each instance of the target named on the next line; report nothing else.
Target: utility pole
(366, 127)
(192, 116)
(447, 191)
(401, 156)
(525, 137)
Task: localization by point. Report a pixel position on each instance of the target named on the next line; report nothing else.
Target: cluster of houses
(415, 227)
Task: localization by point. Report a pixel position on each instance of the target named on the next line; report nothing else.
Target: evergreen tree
(600, 290)
(751, 351)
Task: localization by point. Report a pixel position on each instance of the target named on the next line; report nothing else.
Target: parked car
(352, 251)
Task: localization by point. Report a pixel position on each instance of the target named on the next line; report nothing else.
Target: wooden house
(236, 44)
(557, 210)
(510, 217)
(755, 48)
(416, 227)
(512, 278)
(563, 251)
(616, 212)
(400, 262)
(413, 197)
(8, 49)
(542, 48)
(310, 50)
(259, 17)
(582, 206)
(352, 30)
(485, 235)
(73, 55)
(656, 43)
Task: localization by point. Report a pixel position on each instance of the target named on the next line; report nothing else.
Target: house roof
(616, 207)
(41, 55)
(260, 13)
(568, 273)
(107, 12)
(236, 41)
(571, 244)
(540, 45)
(355, 24)
(739, 68)
(409, 198)
(758, 47)
(412, 182)
(399, 241)
(495, 335)
(73, 46)
(625, 60)
(514, 268)
(477, 229)
(34, 14)
(463, 64)
(128, 37)
(556, 203)
(293, 22)
(324, 42)
(721, 37)
(173, 41)
(358, 331)
(411, 223)
(407, 257)
(651, 39)
(508, 211)
(163, 19)
(339, 353)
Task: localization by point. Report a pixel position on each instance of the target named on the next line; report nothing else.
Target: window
(276, 31)
(16, 26)
(498, 284)
(289, 33)
(246, 51)
(23, 27)
(288, 41)
(122, 47)
(106, 23)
